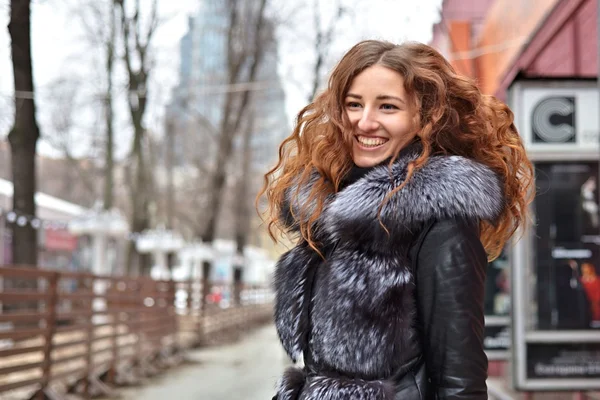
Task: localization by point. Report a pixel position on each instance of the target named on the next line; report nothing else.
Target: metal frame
(521, 262)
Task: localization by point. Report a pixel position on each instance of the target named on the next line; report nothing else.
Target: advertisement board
(555, 264)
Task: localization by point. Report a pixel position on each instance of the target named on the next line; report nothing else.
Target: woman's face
(382, 118)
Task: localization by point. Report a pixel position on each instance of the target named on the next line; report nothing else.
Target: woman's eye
(353, 104)
(389, 107)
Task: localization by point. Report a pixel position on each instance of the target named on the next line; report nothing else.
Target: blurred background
(134, 137)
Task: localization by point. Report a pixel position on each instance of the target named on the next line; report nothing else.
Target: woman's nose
(367, 122)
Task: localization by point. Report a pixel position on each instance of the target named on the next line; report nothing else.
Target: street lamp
(159, 242)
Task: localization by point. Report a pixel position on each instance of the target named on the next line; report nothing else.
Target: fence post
(116, 304)
(203, 283)
(51, 329)
(175, 349)
(89, 359)
(139, 328)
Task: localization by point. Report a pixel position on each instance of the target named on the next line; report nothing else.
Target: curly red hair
(454, 118)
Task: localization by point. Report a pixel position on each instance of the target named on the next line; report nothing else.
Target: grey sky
(57, 51)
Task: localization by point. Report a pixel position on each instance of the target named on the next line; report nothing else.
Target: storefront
(555, 265)
(57, 247)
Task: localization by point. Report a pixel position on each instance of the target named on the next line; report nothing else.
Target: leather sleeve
(450, 279)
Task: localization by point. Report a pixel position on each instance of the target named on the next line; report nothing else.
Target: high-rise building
(198, 100)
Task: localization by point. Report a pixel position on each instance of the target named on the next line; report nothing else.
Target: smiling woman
(399, 181)
(383, 122)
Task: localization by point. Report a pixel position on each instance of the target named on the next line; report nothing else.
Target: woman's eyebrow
(380, 97)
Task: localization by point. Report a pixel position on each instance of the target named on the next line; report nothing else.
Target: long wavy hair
(454, 117)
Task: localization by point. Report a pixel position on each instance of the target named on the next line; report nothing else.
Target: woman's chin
(366, 160)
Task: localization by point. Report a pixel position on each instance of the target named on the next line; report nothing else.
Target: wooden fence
(81, 334)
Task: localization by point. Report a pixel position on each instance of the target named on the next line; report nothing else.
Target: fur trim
(372, 309)
(289, 280)
(294, 381)
(326, 388)
(290, 384)
(296, 195)
(446, 187)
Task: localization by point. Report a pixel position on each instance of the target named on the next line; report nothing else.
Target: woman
(401, 180)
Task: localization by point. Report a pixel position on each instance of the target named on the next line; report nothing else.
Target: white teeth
(371, 142)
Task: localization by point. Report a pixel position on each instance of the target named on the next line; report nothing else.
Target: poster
(567, 247)
(566, 361)
(497, 339)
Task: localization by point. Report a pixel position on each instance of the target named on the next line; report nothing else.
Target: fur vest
(361, 327)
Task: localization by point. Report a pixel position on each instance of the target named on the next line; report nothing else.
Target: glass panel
(566, 247)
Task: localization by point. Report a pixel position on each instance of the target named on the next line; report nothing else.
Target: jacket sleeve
(450, 279)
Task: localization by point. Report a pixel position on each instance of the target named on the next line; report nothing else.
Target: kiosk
(555, 263)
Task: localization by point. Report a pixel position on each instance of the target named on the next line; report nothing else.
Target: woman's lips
(370, 142)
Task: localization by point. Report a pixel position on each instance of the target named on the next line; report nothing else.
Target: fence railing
(80, 333)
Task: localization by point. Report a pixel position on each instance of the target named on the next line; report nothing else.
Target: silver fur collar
(446, 187)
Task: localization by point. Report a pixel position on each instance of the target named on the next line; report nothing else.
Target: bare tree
(320, 23)
(136, 41)
(77, 183)
(109, 47)
(324, 35)
(169, 167)
(243, 205)
(245, 46)
(24, 134)
(98, 21)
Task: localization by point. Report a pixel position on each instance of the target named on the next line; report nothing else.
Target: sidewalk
(247, 370)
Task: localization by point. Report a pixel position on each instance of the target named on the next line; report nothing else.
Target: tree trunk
(109, 161)
(323, 40)
(23, 135)
(242, 208)
(170, 190)
(232, 116)
(134, 42)
(169, 166)
(139, 201)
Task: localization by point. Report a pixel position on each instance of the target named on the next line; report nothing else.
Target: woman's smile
(369, 143)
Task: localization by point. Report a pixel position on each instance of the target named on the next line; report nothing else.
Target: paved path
(247, 370)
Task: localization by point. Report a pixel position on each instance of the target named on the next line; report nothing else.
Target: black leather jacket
(450, 266)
